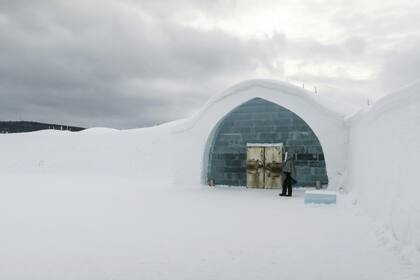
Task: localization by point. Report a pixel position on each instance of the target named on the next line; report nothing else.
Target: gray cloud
(402, 66)
(135, 63)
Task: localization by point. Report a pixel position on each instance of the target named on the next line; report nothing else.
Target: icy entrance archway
(191, 156)
(261, 121)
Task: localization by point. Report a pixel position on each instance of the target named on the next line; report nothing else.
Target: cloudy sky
(128, 63)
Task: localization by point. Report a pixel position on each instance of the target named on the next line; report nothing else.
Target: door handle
(275, 168)
(254, 165)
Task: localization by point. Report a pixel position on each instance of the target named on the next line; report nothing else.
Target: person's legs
(284, 189)
(286, 182)
(289, 187)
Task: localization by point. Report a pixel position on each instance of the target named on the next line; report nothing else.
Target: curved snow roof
(287, 88)
(327, 104)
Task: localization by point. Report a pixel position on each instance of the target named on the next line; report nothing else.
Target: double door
(264, 166)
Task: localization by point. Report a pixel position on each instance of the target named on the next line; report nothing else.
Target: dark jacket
(289, 166)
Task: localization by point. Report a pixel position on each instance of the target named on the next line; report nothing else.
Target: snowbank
(384, 149)
(90, 152)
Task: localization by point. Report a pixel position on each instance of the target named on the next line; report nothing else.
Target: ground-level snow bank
(93, 151)
(384, 165)
(110, 227)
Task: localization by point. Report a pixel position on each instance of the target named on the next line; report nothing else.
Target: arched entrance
(261, 121)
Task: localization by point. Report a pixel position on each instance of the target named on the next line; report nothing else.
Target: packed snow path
(63, 227)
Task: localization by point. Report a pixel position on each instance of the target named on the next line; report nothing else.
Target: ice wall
(383, 167)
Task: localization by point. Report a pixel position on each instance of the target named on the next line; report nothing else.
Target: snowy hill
(90, 152)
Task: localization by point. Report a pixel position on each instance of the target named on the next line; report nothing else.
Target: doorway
(264, 166)
(261, 121)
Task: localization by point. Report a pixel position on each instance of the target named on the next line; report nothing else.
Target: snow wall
(383, 167)
(92, 152)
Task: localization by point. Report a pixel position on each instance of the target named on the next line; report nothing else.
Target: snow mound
(384, 149)
(98, 131)
(91, 152)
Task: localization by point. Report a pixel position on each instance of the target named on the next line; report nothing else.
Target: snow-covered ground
(125, 227)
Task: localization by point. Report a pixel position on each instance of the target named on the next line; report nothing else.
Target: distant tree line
(28, 126)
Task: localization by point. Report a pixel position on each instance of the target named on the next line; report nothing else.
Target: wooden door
(255, 167)
(273, 167)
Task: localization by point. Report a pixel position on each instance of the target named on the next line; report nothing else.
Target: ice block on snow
(320, 196)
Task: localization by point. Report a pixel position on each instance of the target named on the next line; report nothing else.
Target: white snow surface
(90, 152)
(329, 103)
(124, 227)
(103, 204)
(384, 152)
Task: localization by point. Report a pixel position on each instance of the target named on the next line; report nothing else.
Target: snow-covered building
(263, 111)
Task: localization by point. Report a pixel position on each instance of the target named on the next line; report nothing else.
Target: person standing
(289, 172)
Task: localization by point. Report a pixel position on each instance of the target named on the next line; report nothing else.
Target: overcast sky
(127, 63)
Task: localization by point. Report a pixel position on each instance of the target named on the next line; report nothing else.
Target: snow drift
(97, 151)
(383, 167)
